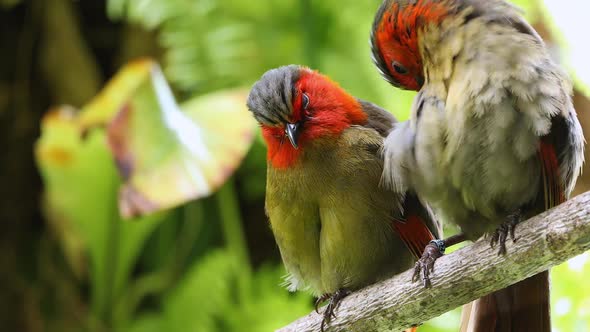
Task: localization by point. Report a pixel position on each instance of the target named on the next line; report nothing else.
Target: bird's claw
(331, 307)
(321, 300)
(503, 232)
(433, 251)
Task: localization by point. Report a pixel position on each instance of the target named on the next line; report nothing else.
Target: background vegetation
(69, 262)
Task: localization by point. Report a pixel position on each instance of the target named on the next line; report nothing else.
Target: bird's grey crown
(271, 98)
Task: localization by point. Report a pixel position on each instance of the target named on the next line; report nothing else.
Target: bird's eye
(305, 101)
(399, 68)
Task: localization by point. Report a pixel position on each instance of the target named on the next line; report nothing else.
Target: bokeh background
(203, 258)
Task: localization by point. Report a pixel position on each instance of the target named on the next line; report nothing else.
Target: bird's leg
(506, 229)
(433, 251)
(331, 307)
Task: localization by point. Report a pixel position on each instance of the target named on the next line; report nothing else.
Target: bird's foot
(332, 305)
(321, 300)
(433, 251)
(505, 230)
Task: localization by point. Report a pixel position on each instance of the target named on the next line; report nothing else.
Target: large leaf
(168, 155)
(81, 188)
(102, 108)
(164, 156)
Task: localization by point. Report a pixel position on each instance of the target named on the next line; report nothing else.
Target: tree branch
(465, 275)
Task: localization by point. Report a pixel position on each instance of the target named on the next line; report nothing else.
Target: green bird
(337, 229)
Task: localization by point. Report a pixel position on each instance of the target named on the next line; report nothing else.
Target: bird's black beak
(292, 131)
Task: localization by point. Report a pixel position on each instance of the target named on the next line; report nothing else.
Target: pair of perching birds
(493, 139)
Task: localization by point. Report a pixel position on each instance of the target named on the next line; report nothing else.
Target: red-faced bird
(337, 229)
(493, 136)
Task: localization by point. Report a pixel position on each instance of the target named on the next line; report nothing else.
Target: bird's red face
(309, 107)
(394, 39)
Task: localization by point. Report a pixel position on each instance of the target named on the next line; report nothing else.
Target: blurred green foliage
(211, 44)
(190, 268)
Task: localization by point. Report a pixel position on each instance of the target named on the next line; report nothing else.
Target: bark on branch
(465, 275)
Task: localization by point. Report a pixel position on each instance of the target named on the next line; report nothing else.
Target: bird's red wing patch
(552, 185)
(411, 329)
(414, 232)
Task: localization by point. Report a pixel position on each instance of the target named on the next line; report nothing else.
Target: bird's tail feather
(521, 307)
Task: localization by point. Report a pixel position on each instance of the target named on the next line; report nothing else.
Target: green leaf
(211, 286)
(267, 295)
(147, 323)
(81, 185)
(206, 286)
